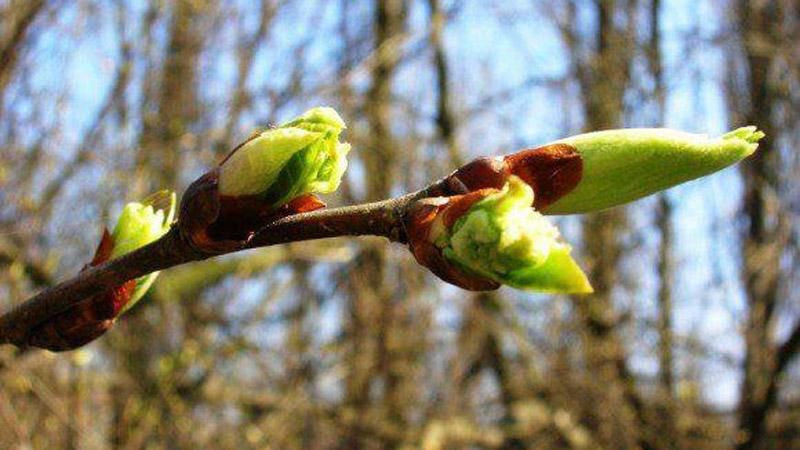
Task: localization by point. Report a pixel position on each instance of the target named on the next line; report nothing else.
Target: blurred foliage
(689, 342)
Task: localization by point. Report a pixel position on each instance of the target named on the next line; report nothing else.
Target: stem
(383, 218)
(168, 251)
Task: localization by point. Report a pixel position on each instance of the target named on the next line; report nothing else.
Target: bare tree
(766, 42)
(349, 343)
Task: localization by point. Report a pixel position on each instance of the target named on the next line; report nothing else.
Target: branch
(565, 178)
(382, 218)
(787, 351)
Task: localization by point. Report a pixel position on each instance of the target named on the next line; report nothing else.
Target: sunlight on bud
(502, 238)
(620, 166)
(138, 225)
(302, 156)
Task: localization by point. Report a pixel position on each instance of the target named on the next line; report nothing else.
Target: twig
(382, 218)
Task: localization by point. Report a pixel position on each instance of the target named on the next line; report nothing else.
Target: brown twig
(382, 218)
(551, 170)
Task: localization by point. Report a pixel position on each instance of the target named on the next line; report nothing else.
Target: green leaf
(255, 167)
(559, 274)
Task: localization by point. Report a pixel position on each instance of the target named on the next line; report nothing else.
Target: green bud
(138, 225)
(302, 156)
(502, 238)
(620, 166)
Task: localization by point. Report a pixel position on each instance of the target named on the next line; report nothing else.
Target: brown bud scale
(552, 171)
(419, 223)
(89, 319)
(215, 223)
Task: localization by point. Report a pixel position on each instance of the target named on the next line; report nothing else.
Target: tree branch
(383, 218)
(787, 351)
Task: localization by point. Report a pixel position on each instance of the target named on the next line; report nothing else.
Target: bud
(138, 225)
(299, 157)
(495, 235)
(620, 166)
(551, 170)
(272, 175)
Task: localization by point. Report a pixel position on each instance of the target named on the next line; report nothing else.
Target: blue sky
(493, 47)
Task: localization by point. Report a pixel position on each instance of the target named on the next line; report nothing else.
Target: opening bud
(495, 235)
(299, 157)
(138, 225)
(274, 174)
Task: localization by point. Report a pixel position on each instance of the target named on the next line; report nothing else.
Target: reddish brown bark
(89, 319)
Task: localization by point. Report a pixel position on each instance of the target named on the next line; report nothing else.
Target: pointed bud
(300, 157)
(620, 166)
(495, 235)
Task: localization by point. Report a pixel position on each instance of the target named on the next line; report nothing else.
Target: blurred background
(691, 340)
